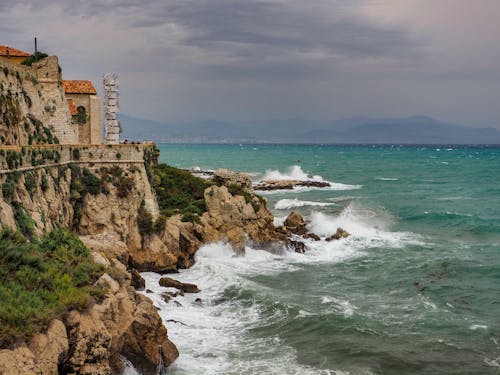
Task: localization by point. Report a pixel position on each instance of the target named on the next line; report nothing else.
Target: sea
(415, 289)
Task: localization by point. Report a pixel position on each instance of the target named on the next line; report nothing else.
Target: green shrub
(8, 188)
(24, 222)
(31, 182)
(44, 184)
(34, 58)
(42, 280)
(178, 191)
(144, 221)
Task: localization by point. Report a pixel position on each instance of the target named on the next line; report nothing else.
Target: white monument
(112, 127)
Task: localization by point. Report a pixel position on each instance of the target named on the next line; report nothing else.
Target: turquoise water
(414, 290)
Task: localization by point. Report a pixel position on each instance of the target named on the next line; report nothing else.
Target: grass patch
(41, 280)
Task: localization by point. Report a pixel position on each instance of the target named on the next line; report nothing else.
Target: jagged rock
(297, 246)
(293, 220)
(227, 177)
(166, 297)
(137, 281)
(49, 346)
(198, 302)
(288, 184)
(106, 282)
(338, 235)
(185, 287)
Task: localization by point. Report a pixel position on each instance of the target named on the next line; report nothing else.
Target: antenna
(112, 127)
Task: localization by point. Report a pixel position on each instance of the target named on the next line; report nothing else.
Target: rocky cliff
(105, 203)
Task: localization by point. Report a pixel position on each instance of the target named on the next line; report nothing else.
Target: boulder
(137, 281)
(297, 246)
(340, 233)
(295, 224)
(312, 236)
(227, 178)
(185, 287)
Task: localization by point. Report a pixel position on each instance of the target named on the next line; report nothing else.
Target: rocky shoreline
(126, 323)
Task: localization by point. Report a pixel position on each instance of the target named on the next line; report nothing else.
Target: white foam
(285, 204)
(475, 327)
(368, 228)
(296, 173)
(386, 178)
(344, 307)
(493, 362)
(212, 337)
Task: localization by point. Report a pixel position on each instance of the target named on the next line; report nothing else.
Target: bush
(24, 222)
(34, 58)
(144, 221)
(8, 188)
(41, 280)
(178, 191)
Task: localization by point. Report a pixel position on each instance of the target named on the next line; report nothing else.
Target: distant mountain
(416, 130)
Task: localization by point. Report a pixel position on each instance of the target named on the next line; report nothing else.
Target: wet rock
(137, 281)
(149, 291)
(166, 297)
(297, 246)
(198, 302)
(312, 236)
(295, 224)
(288, 184)
(341, 233)
(185, 287)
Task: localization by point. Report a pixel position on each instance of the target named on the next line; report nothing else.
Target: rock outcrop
(289, 184)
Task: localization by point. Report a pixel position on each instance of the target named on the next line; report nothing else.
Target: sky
(248, 60)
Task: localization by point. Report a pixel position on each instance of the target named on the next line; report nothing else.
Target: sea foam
(296, 173)
(286, 204)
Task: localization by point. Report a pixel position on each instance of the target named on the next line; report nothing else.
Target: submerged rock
(185, 287)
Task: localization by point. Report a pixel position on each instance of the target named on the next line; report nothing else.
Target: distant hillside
(416, 130)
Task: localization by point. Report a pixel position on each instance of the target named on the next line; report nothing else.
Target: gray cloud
(204, 54)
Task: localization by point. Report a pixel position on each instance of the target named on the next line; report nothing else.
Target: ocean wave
(294, 172)
(286, 204)
(368, 228)
(210, 336)
(387, 178)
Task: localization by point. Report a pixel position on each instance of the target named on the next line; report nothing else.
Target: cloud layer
(256, 59)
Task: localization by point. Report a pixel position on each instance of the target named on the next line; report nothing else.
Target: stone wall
(33, 104)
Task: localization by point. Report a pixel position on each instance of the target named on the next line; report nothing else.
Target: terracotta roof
(79, 86)
(13, 52)
(72, 107)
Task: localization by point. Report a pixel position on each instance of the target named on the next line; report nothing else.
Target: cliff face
(105, 203)
(101, 203)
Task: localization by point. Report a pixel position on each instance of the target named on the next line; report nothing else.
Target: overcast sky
(185, 60)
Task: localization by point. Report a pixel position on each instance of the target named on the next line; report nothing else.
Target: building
(13, 55)
(84, 107)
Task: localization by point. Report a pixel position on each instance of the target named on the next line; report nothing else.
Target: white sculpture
(112, 127)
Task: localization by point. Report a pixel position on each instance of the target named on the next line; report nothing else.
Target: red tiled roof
(9, 51)
(78, 86)
(72, 107)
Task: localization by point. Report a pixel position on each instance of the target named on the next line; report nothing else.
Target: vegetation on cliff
(42, 279)
(179, 192)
